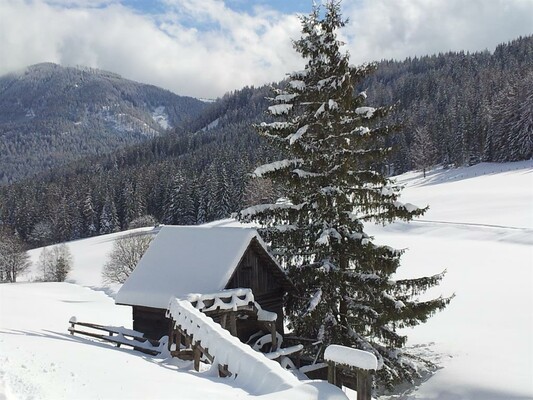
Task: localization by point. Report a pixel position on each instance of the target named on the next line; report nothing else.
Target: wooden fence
(117, 335)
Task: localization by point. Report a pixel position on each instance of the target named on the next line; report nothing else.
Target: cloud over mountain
(206, 48)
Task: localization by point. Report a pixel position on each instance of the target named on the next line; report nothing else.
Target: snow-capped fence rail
(362, 362)
(228, 304)
(119, 336)
(234, 358)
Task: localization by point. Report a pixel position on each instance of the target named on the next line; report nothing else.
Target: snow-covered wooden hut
(191, 259)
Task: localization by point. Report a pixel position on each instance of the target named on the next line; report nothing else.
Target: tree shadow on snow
(467, 393)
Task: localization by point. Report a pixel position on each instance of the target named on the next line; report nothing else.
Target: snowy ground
(479, 228)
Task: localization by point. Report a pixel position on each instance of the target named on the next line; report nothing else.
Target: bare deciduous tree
(55, 263)
(123, 259)
(13, 257)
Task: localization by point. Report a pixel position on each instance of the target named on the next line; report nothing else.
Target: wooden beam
(224, 320)
(197, 353)
(116, 342)
(223, 371)
(332, 373)
(273, 332)
(185, 354)
(111, 331)
(364, 384)
(233, 323)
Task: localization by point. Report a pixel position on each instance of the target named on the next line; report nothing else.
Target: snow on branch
(332, 104)
(276, 165)
(305, 174)
(285, 97)
(320, 110)
(250, 212)
(398, 304)
(313, 302)
(279, 109)
(275, 125)
(297, 84)
(325, 236)
(326, 82)
(360, 131)
(367, 112)
(298, 134)
(407, 206)
(331, 190)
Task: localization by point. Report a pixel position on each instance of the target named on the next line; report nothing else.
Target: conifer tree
(333, 144)
(108, 217)
(511, 133)
(423, 150)
(171, 203)
(89, 215)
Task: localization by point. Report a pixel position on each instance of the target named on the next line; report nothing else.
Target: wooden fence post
(332, 374)
(233, 323)
(196, 357)
(364, 384)
(362, 362)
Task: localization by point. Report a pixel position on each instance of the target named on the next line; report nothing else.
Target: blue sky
(284, 6)
(205, 48)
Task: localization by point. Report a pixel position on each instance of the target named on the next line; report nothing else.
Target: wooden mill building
(195, 259)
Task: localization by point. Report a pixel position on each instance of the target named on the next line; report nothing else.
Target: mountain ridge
(50, 115)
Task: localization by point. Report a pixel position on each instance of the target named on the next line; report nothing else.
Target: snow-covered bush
(55, 263)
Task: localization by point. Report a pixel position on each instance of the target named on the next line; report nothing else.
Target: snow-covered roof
(183, 260)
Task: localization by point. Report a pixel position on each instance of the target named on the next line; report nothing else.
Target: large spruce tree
(333, 184)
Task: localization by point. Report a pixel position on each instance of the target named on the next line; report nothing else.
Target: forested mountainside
(460, 108)
(178, 178)
(455, 109)
(51, 115)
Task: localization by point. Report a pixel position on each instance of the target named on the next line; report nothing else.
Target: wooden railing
(117, 335)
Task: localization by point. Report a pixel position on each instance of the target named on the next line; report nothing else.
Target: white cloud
(204, 48)
(234, 50)
(384, 29)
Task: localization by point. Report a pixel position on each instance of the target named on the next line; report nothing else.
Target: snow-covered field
(479, 227)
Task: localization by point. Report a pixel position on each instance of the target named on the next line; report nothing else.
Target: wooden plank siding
(151, 321)
(257, 271)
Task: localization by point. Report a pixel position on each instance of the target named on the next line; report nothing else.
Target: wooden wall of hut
(150, 321)
(257, 272)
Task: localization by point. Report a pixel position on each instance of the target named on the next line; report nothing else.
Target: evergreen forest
(451, 109)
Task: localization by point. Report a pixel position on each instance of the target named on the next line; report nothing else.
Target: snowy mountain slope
(486, 194)
(51, 115)
(483, 340)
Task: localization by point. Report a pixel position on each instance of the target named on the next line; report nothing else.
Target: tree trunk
(343, 304)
